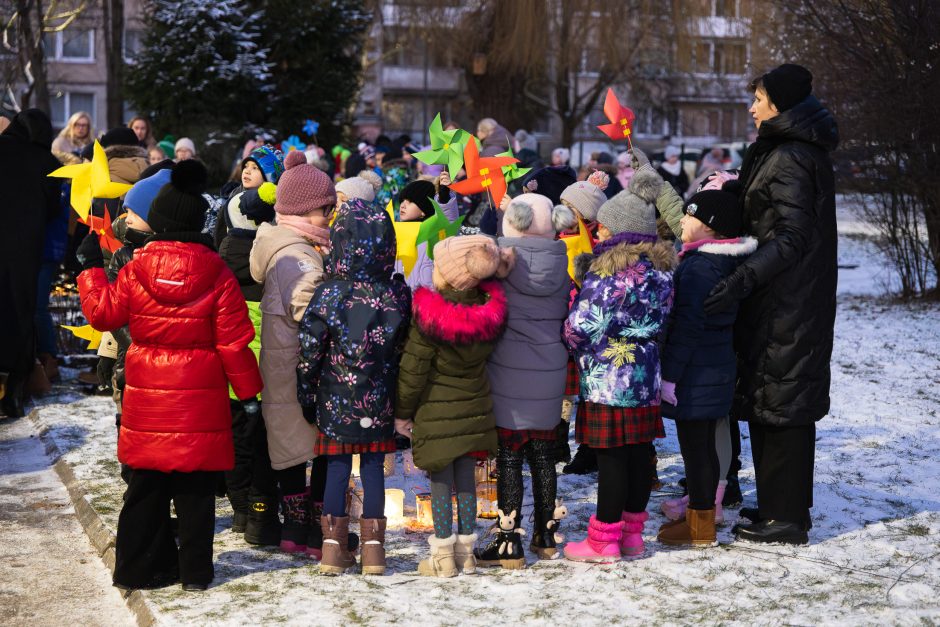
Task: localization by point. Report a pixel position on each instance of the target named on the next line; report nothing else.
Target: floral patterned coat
(353, 331)
(613, 325)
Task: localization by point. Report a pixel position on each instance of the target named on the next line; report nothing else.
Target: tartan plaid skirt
(604, 426)
(328, 446)
(516, 439)
(572, 380)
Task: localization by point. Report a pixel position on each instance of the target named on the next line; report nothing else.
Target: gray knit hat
(628, 213)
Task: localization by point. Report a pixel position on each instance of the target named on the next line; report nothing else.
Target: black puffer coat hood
(784, 330)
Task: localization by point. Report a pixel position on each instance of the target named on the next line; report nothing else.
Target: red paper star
(621, 118)
(102, 228)
(483, 174)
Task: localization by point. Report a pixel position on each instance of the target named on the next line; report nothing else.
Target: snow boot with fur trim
(441, 561)
(674, 509)
(463, 554)
(337, 558)
(372, 531)
(698, 529)
(602, 543)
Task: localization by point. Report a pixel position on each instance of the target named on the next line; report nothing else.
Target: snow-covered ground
(874, 556)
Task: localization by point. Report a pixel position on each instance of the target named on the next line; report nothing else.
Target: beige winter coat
(290, 269)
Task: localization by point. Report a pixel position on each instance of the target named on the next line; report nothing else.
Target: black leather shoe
(768, 531)
(195, 587)
(752, 514)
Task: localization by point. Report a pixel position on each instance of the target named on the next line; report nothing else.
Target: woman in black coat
(787, 294)
(29, 200)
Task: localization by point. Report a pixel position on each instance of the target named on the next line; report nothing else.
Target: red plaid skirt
(328, 446)
(516, 439)
(573, 380)
(604, 426)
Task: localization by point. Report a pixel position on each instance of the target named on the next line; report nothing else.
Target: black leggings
(624, 481)
(697, 443)
(540, 454)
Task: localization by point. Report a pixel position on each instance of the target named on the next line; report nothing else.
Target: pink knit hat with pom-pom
(302, 188)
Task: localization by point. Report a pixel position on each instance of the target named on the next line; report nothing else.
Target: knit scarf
(303, 228)
(622, 238)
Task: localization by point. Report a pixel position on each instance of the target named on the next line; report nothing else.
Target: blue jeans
(372, 473)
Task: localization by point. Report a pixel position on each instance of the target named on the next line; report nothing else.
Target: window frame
(57, 51)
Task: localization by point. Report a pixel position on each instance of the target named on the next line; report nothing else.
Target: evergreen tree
(202, 68)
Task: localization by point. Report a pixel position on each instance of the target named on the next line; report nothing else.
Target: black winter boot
(296, 527)
(733, 496)
(240, 504)
(263, 527)
(543, 536)
(584, 462)
(505, 551)
(562, 449)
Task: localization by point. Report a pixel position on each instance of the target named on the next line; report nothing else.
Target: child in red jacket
(190, 330)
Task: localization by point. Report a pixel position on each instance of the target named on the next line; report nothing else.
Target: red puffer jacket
(190, 331)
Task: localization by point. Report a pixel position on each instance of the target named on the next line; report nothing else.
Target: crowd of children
(303, 342)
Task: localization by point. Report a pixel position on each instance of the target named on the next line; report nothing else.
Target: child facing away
(527, 371)
(287, 258)
(612, 329)
(190, 339)
(351, 338)
(416, 206)
(443, 392)
(698, 361)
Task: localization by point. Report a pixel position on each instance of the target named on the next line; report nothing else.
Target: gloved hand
(638, 158)
(489, 223)
(668, 392)
(251, 407)
(254, 205)
(404, 427)
(89, 252)
(310, 414)
(729, 291)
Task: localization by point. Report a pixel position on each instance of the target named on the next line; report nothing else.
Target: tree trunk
(32, 55)
(113, 11)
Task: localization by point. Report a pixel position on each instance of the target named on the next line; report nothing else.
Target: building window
(133, 42)
(716, 57)
(65, 103)
(70, 45)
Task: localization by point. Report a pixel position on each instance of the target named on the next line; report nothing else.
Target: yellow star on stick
(577, 244)
(86, 333)
(90, 180)
(406, 236)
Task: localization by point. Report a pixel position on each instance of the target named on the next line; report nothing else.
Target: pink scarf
(303, 228)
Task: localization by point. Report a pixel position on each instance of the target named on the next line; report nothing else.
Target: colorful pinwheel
(90, 180)
(621, 118)
(576, 245)
(292, 143)
(483, 174)
(102, 228)
(447, 147)
(406, 235)
(86, 332)
(311, 127)
(512, 172)
(436, 228)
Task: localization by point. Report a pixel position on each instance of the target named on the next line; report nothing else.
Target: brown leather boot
(702, 526)
(372, 545)
(336, 556)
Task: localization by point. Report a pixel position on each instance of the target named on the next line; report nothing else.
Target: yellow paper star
(577, 244)
(406, 235)
(90, 180)
(86, 333)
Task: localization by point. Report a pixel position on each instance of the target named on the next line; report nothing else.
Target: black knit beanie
(420, 193)
(179, 206)
(719, 210)
(788, 85)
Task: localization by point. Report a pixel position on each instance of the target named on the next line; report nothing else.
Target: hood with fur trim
(735, 247)
(125, 163)
(448, 318)
(661, 254)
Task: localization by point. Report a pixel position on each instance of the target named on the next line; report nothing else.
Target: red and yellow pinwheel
(484, 174)
(102, 228)
(621, 119)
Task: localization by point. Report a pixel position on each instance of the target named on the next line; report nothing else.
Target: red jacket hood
(177, 272)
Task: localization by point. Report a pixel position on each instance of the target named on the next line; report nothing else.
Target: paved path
(49, 572)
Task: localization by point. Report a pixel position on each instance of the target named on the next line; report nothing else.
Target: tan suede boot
(372, 533)
(702, 526)
(441, 561)
(463, 554)
(336, 556)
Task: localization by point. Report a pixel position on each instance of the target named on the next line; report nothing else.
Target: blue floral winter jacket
(614, 323)
(353, 332)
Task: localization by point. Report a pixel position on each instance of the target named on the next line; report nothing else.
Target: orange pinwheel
(102, 228)
(621, 119)
(484, 174)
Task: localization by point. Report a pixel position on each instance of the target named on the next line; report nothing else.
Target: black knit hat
(788, 85)
(420, 193)
(179, 206)
(719, 210)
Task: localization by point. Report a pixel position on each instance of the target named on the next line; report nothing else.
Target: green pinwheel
(446, 147)
(437, 228)
(512, 172)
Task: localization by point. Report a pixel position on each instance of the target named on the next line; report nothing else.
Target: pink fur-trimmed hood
(456, 323)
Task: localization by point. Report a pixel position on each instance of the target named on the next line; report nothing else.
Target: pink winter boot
(674, 509)
(600, 545)
(631, 543)
(719, 495)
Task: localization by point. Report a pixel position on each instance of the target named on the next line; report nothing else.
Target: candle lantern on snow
(487, 504)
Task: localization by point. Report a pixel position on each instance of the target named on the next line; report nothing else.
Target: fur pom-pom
(563, 218)
(374, 179)
(294, 158)
(600, 179)
(507, 260)
(190, 177)
(582, 263)
(646, 183)
(520, 215)
(267, 192)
